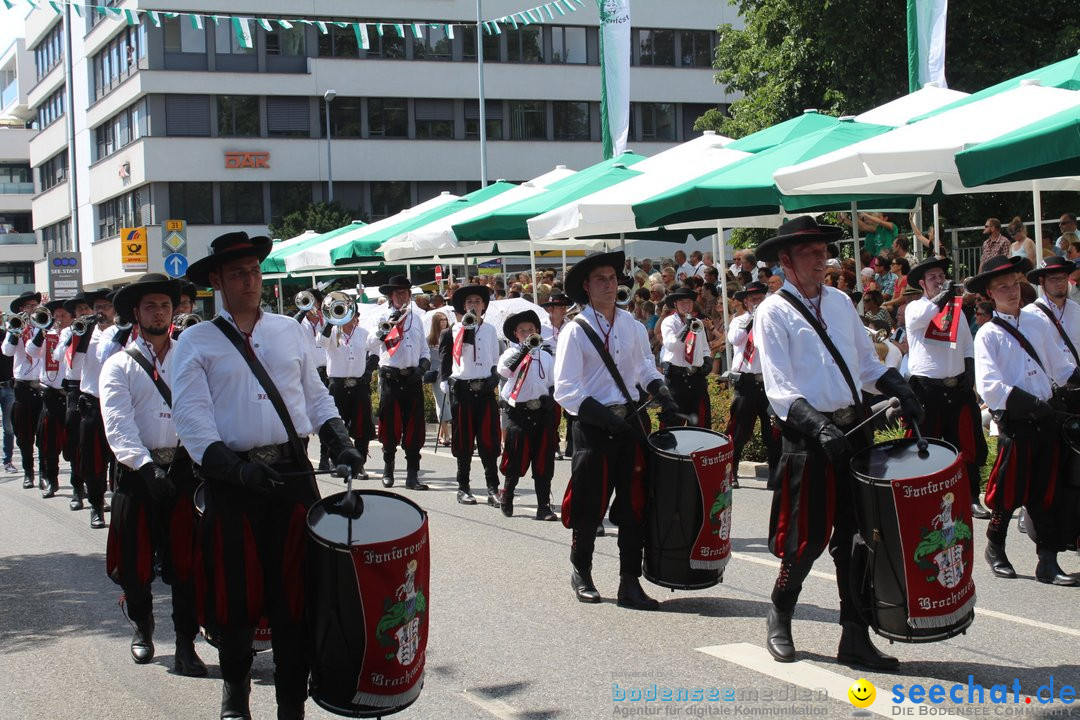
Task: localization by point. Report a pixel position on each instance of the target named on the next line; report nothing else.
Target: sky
(11, 24)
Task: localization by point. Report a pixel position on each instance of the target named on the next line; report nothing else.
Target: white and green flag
(615, 74)
(926, 42)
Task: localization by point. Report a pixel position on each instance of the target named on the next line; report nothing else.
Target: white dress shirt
(580, 373)
(1069, 319)
(413, 346)
(100, 349)
(929, 357)
(72, 371)
(137, 419)
(1001, 363)
(673, 350)
(795, 363)
(691, 270)
(346, 353)
(25, 366)
(313, 332)
(539, 375)
(476, 360)
(738, 335)
(551, 333)
(217, 397)
(50, 371)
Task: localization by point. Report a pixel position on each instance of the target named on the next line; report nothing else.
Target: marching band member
(749, 404)
(26, 369)
(818, 400)
(51, 425)
(532, 417)
(313, 323)
(72, 351)
(607, 436)
(153, 508)
(404, 360)
(551, 325)
(95, 455)
(470, 352)
(1018, 362)
(246, 437)
(943, 372)
(683, 354)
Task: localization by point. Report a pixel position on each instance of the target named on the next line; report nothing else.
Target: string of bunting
(540, 14)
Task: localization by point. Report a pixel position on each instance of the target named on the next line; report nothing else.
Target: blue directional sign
(176, 265)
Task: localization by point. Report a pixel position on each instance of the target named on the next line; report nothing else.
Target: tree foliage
(843, 57)
(319, 217)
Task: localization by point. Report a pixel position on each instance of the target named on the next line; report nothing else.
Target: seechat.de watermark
(972, 698)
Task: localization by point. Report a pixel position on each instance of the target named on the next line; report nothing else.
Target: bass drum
(688, 508)
(913, 562)
(369, 602)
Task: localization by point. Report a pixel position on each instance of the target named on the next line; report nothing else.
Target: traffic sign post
(176, 265)
(65, 274)
(133, 250)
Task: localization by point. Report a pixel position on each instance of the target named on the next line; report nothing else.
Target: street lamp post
(329, 96)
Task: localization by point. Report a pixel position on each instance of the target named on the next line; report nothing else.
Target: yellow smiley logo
(862, 693)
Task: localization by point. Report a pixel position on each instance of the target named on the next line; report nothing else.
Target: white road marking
(497, 708)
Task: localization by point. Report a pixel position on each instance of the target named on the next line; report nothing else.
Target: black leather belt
(70, 384)
(679, 370)
(949, 382)
(269, 454)
(27, 384)
(349, 382)
(844, 416)
(622, 410)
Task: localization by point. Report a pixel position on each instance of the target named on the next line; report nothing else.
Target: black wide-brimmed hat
(916, 273)
(557, 298)
(855, 295)
(71, 303)
(55, 305)
(801, 230)
(754, 287)
(510, 324)
(995, 267)
(17, 303)
(226, 248)
(397, 282)
(577, 275)
(94, 295)
(681, 293)
(1054, 263)
(189, 289)
(458, 298)
(128, 297)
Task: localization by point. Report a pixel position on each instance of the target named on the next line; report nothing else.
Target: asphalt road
(508, 639)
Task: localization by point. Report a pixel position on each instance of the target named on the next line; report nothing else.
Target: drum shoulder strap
(605, 356)
(1019, 337)
(1061, 330)
(827, 342)
(159, 382)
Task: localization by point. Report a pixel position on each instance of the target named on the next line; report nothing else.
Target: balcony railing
(17, 188)
(13, 238)
(15, 288)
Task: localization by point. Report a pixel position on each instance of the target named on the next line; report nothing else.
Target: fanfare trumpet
(185, 320)
(305, 301)
(623, 296)
(695, 324)
(41, 317)
(16, 323)
(338, 308)
(534, 341)
(83, 324)
(469, 321)
(121, 323)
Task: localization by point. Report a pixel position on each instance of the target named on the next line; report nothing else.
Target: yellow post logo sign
(133, 251)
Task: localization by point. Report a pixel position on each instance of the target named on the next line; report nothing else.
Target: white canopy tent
(903, 109)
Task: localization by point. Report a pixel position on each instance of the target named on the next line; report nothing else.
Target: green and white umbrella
(1047, 148)
(275, 261)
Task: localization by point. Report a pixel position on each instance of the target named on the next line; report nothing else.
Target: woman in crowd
(1021, 245)
(442, 399)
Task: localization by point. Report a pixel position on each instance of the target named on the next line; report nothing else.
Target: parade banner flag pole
(926, 42)
(614, 74)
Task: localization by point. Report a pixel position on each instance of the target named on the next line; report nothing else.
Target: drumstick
(890, 404)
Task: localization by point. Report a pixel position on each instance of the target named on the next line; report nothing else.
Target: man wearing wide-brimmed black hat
(26, 370)
(609, 433)
(153, 508)
(50, 425)
(73, 353)
(259, 480)
(685, 356)
(817, 403)
(941, 360)
(749, 405)
(1018, 363)
(551, 325)
(470, 353)
(404, 360)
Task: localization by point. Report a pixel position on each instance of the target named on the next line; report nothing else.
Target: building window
(51, 109)
(492, 52)
(568, 45)
(238, 115)
(288, 116)
(493, 119)
(656, 47)
(657, 121)
(121, 129)
(56, 237)
(434, 45)
(338, 42)
(389, 198)
(388, 117)
(53, 171)
(241, 203)
(50, 51)
(192, 202)
(287, 197)
(696, 48)
(387, 45)
(524, 45)
(280, 41)
(571, 120)
(691, 112)
(345, 115)
(16, 178)
(93, 18)
(119, 59)
(226, 42)
(434, 119)
(16, 277)
(187, 115)
(124, 211)
(528, 120)
(181, 37)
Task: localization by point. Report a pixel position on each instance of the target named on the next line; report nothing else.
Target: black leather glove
(811, 423)
(1022, 405)
(222, 464)
(431, 376)
(684, 333)
(593, 413)
(969, 373)
(372, 364)
(39, 337)
(669, 409)
(161, 489)
(339, 445)
(381, 333)
(327, 329)
(422, 369)
(122, 336)
(83, 343)
(893, 384)
(519, 354)
(1074, 379)
(13, 338)
(948, 292)
(492, 381)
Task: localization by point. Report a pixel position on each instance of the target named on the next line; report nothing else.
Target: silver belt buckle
(163, 456)
(268, 454)
(351, 382)
(619, 410)
(533, 404)
(951, 382)
(476, 385)
(844, 416)
(405, 372)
